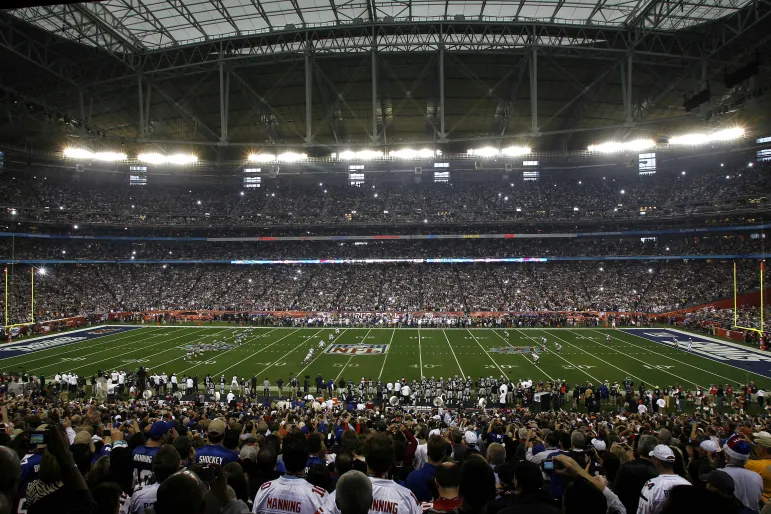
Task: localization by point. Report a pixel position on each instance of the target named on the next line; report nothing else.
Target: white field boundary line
(503, 373)
(495, 331)
(130, 351)
(252, 339)
(325, 350)
(73, 346)
(696, 354)
(453, 353)
(63, 333)
(390, 342)
(258, 351)
(420, 355)
(349, 358)
(597, 358)
(683, 380)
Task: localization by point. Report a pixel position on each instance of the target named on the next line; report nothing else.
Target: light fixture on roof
(409, 153)
(151, 158)
(181, 159)
(291, 157)
(634, 145)
(516, 151)
(361, 155)
(83, 154)
(261, 157)
(702, 138)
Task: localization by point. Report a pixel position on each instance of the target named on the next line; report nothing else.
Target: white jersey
(143, 498)
(655, 492)
(289, 495)
(388, 497)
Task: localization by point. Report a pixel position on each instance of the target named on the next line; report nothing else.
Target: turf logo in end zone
(102, 331)
(357, 349)
(517, 350)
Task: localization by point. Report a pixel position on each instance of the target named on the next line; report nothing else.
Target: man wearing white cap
(656, 490)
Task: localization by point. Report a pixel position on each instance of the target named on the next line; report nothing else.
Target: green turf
(275, 353)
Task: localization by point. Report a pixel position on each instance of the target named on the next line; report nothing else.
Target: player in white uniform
(607, 338)
(388, 497)
(234, 383)
(308, 358)
(690, 343)
(331, 336)
(337, 331)
(321, 343)
(558, 347)
(291, 494)
(535, 358)
(506, 334)
(677, 343)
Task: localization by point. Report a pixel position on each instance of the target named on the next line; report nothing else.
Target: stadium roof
(153, 24)
(231, 76)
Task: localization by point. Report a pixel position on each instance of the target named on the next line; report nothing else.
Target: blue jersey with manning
(215, 454)
(143, 462)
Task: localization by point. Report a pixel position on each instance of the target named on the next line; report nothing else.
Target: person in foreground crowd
(83, 457)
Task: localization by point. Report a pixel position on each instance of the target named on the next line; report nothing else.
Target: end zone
(55, 340)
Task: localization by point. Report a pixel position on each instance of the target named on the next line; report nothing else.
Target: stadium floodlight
(701, 138)
(181, 158)
(110, 156)
(485, 151)
(361, 155)
(634, 145)
(78, 153)
(151, 158)
(42, 271)
(261, 157)
(409, 153)
(291, 157)
(516, 151)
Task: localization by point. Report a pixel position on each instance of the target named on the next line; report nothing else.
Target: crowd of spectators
(76, 456)
(640, 286)
(27, 197)
(85, 249)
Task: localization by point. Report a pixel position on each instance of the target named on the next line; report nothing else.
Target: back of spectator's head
(318, 475)
(315, 443)
(436, 448)
(267, 458)
(10, 470)
(343, 462)
(380, 454)
(349, 440)
(646, 445)
(581, 497)
(528, 478)
(183, 444)
(107, 497)
(578, 440)
(295, 452)
(447, 476)
(400, 450)
(181, 493)
(477, 483)
(353, 493)
(166, 462)
(237, 480)
(496, 454)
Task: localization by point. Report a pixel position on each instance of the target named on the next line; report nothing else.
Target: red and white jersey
(289, 495)
(388, 497)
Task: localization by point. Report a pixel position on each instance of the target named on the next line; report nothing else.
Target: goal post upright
(736, 311)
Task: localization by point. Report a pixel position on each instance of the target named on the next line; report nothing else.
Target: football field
(644, 355)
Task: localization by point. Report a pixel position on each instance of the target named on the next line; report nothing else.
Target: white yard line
(420, 354)
(349, 358)
(503, 373)
(181, 356)
(525, 356)
(260, 350)
(386, 355)
(575, 366)
(682, 362)
(453, 353)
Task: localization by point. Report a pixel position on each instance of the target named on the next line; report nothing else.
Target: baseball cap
(159, 428)
(470, 437)
(762, 433)
(599, 445)
(663, 452)
(765, 442)
(721, 481)
(709, 446)
(216, 426)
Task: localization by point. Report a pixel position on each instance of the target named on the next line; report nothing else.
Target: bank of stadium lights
(489, 151)
(361, 155)
(635, 145)
(42, 271)
(83, 154)
(282, 157)
(409, 153)
(179, 159)
(703, 138)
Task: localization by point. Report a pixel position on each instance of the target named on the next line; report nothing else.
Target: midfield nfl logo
(357, 349)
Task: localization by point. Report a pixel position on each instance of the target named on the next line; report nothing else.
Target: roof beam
(148, 16)
(560, 3)
(183, 11)
(597, 8)
(299, 11)
(258, 5)
(334, 10)
(102, 17)
(182, 110)
(654, 12)
(220, 7)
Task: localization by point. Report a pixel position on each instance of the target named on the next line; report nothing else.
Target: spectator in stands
(353, 493)
(418, 481)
